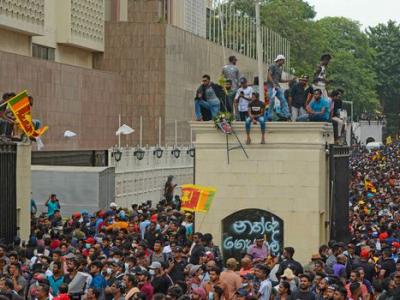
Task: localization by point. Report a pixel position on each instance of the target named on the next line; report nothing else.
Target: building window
(43, 52)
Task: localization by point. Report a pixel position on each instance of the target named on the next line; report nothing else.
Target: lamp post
(259, 52)
(117, 154)
(139, 153)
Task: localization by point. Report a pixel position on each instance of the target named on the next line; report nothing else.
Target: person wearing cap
(177, 265)
(369, 268)
(299, 95)
(161, 280)
(242, 99)
(289, 276)
(256, 110)
(274, 78)
(231, 72)
(320, 80)
(208, 97)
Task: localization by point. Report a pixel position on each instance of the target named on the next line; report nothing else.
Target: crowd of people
(304, 100)
(153, 251)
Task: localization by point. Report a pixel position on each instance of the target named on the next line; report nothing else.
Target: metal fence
(8, 196)
(228, 27)
(237, 31)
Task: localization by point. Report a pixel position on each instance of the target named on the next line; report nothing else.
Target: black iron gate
(8, 196)
(339, 191)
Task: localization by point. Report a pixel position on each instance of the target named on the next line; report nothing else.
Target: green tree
(352, 65)
(385, 40)
(293, 20)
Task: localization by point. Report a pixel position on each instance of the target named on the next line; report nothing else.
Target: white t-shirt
(265, 290)
(243, 103)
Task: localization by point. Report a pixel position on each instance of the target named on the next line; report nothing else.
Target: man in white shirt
(242, 99)
(262, 272)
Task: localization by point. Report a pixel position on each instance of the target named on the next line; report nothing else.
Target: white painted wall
(137, 181)
(364, 129)
(288, 176)
(77, 188)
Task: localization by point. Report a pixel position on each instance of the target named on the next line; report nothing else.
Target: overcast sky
(367, 12)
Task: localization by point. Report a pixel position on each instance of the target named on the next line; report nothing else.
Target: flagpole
(159, 132)
(119, 135)
(5, 103)
(141, 133)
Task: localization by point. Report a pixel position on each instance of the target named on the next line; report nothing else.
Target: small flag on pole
(69, 134)
(197, 198)
(125, 130)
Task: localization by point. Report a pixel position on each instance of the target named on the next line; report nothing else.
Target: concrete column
(24, 190)
(288, 177)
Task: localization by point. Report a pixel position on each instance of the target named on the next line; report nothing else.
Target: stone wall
(151, 70)
(23, 189)
(67, 98)
(136, 51)
(188, 58)
(288, 176)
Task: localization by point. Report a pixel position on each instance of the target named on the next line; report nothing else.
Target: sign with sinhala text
(241, 228)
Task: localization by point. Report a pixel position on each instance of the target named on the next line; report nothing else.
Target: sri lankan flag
(196, 198)
(369, 186)
(21, 109)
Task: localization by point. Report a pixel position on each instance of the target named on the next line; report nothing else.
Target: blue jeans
(307, 117)
(212, 106)
(284, 105)
(260, 120)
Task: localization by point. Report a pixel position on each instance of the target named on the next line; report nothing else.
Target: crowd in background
(304, 100)
(152, 251)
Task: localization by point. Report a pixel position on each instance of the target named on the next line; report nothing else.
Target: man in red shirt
(145, 285)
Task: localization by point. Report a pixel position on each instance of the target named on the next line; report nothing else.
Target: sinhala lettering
(246, 228)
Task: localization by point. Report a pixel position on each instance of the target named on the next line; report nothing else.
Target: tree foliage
(385, 40)
(352, 65)
(364, 64)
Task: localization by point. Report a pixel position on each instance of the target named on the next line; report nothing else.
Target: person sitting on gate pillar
(208, 96)
(256, 114)
(338, 122)
(318, 109)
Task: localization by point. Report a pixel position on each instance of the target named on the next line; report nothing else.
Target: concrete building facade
(135, 64)
(287, 177)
